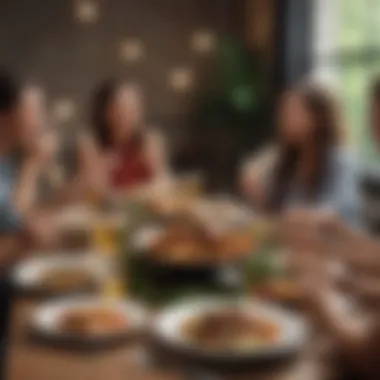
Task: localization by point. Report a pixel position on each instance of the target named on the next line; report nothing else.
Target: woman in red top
(121, 155)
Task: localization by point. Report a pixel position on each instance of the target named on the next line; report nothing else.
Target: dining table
(28, 358)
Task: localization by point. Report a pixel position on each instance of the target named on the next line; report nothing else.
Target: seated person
(355, 339)
(356, 249)
(21, 227)
(119, 154)
(24, 153)
(311, 167)
(32, 118)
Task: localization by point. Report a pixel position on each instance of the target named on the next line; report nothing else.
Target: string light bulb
(181, 79)
(203, 42)
(86, 11)
(132, 50)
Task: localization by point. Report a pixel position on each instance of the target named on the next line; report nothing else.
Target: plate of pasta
(231, 330)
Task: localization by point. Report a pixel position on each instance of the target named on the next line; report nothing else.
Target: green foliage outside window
(358, 51)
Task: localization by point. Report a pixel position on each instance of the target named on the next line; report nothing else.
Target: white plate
(143, 239)
(85, 218)
(45, 320)
(223, 212)
(293, 330)
(75, 217)
(28, 273)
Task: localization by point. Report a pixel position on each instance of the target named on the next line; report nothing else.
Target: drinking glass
(106, 237)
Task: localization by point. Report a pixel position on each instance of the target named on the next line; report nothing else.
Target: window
(347, 53)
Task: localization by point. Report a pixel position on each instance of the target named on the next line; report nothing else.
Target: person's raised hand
(40, 150)
(42, 230)
(296, 228)
(313, 273)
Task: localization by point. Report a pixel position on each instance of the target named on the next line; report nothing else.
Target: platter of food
(188, 243)
(170, 196)
(87, 322)
(231, 330)
(285, 290)
(60, 274)
(223, 212)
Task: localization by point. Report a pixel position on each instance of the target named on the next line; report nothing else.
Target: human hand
(41, 150)
(296, 229)
(307, 229)
(313, 273)
(42, 230)
(328, 222)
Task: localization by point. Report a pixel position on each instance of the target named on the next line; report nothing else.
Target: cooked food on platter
(176, 203)
(60, 273)
(223, 212)
(229, 329)
(88, 321)
(92, 321)
(234, 330)
(191, 242)
(66, 279)
(280, 289)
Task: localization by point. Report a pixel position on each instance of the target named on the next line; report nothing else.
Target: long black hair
(10, 90)
(324, 112)
(103, 97)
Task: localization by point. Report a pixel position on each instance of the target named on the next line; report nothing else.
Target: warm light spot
(180, 79)
(132, 50)
(86, 11)
(63, 110)
(203, 42)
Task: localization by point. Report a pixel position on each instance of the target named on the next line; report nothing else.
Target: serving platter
(28, 275)
(45, 322)
(292, 336)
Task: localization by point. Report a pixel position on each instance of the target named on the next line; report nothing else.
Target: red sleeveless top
(129, 168)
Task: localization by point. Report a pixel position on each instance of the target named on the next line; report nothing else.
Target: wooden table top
(27, 360)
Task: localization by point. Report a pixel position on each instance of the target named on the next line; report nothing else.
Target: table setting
(205, 291)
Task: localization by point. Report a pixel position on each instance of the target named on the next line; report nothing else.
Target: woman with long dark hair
(311, 167)
(120, 153)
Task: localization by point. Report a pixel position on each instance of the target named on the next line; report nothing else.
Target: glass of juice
(106, 239)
